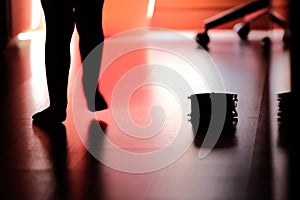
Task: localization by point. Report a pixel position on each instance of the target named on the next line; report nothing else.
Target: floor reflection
(56, 142)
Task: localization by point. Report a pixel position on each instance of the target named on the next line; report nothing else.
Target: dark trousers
(61, 16)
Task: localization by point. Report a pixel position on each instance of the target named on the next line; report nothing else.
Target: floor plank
(56, 164)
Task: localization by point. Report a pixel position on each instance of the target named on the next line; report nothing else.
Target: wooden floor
(57, 163)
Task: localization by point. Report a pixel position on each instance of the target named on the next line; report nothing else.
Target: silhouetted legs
(59, 29)
(88, 17)
(60, 17)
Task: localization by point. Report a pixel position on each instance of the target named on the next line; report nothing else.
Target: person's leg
(59, 19)
(88, 18)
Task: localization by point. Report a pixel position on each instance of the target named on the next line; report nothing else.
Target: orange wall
(20, 16)
(120, 15)
(190, 14)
